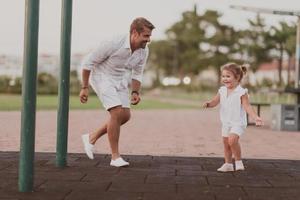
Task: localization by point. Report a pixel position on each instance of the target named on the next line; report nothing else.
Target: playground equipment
(26, 164)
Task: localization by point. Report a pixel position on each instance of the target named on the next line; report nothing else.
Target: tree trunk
(289, 71)
(280, 66)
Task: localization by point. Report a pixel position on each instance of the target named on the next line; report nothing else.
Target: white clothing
(110, 92)
(112, 66)
(238, 130)
(232, 114)
(114, 57)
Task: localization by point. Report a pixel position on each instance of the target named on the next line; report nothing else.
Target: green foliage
(4, 83)
(255, 43)
(47, 84)
(74, 83)
(197, 42)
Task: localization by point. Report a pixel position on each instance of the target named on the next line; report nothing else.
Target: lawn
(163, 100)
(50, 102)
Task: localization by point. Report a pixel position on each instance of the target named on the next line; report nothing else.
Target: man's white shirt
(114, 58)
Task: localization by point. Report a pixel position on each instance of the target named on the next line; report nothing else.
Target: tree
(221, 41)
(279, 37)
(185, 36)
(254, 43)
(290, 48)
(47, 84)
(4, 83)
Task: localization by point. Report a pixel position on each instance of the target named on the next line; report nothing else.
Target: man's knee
(116, 113)
(125, 115)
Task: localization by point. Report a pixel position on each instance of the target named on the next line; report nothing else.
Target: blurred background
(192, 39)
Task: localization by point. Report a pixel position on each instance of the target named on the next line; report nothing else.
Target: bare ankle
(114, 156)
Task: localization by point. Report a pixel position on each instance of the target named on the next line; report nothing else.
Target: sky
(96, 19)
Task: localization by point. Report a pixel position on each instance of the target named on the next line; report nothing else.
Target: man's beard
(143, 45)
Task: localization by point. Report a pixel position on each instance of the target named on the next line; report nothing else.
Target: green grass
(261, 97)
(49, 102)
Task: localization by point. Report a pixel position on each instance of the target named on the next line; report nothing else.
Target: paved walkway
(174, 155)
(154, 132)
(151, 178)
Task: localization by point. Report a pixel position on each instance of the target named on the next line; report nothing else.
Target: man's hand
(135, 98)
(84, 94)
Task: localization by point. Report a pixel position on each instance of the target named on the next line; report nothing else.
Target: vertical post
(26, 162)
(297, 57)
(64, 86)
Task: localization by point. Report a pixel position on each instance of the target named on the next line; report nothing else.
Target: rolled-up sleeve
(137, 71)
(99, 55)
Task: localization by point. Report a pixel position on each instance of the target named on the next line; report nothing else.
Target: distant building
(269, 71)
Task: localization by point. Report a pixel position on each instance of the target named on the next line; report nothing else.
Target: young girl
(234, 104)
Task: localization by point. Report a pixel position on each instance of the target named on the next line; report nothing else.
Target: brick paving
(151, 178)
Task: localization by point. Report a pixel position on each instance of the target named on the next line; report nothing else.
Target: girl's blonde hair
(238, 70)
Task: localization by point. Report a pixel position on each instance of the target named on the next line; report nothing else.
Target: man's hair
(139, 23)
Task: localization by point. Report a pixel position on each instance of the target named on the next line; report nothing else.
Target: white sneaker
(239, 165)
(226, 167)
(88, 147)
(119, 162)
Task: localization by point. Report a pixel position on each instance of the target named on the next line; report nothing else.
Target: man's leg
(113, 129)
(125, 116)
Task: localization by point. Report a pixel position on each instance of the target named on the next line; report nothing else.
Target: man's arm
(104, 50)
(84, 92)
(135, 91)
(137, 76)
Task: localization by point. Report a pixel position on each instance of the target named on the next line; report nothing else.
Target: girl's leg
(233, 141)
(227, 150)
(227, 166)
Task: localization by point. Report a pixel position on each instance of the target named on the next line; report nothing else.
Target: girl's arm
(249, 109)
(212, 103)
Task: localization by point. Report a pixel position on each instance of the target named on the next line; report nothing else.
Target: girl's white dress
(232, 114)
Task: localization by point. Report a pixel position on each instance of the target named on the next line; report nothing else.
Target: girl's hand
(205, 105)
(259, 121)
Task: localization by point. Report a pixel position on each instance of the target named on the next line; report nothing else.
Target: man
(109, 70)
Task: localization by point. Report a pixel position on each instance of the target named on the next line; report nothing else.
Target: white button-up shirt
(114, 58)
(232, 112)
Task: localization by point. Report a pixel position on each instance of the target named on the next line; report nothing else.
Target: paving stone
(201, 180)
(144, 188)
(150, 178)
(236, 181)
(211, 190)
(104, 196)
(74, 186)
(186, 196)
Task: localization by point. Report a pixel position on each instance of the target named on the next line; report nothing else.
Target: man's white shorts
(111, 92)
(238, 130)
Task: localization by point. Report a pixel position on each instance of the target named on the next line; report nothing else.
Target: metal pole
(26, 164)
(297, 57)
(64, 86)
